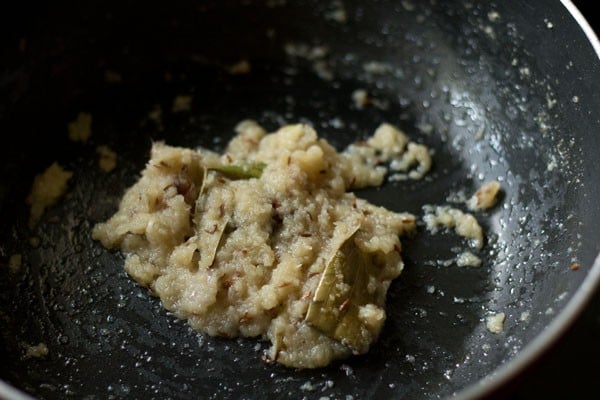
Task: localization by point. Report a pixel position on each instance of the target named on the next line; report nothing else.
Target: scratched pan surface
(503, 91)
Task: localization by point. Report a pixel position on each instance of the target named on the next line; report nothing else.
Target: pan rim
(500, 377)
(567, 316)
(537, 347)
(12, 393)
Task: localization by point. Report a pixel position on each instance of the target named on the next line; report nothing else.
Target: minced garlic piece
(240, 68)
(80, 129)
(47, 188)
(468, 259)
(36, 351)
(485, 197)
(389, 141)
(388, 145)
(361, 99)
(338, 13)
(495, 322)
(107, 160)
(464, 224)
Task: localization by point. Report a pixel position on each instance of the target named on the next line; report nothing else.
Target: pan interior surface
(491, 88)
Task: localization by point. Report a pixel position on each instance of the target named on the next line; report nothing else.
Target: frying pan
(505, 90)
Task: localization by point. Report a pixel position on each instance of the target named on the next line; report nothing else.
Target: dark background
(571, 370)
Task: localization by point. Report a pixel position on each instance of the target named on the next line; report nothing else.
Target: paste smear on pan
(266, 240)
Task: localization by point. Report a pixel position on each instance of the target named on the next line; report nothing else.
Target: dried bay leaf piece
(200, 199)
(342, 292)
(209, 242)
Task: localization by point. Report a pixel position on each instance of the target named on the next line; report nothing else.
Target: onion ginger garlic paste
(268, 241)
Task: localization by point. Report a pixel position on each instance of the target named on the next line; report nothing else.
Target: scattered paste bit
(479, 133)
(47, 188)
(308, 386)
(408, 5)
(107, 160)
(493, 16)
(36, 351)
(464, 224)
(361, 99)
(468, 259)
(111, 76)
(575, 266)
(315, 54)
(485, 197)
(155, 115)
(80, 129)
(182, 103)
(337, 13)
(377, 68)
(302, 50)
(14, 263)
(240, 68)
(390, 146)
(265, 240)
(323, 70)
(495, 322)
(389, 141)
(416, 154)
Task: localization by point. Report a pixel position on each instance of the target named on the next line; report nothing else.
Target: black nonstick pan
(504, 90)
